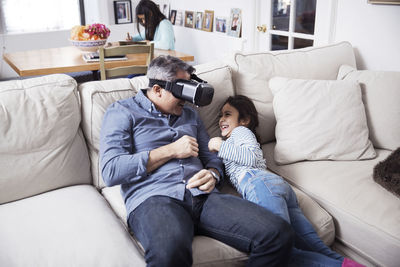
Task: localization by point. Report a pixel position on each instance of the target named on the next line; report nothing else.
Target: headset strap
(196, 78)
(168, 85)
(164, 84)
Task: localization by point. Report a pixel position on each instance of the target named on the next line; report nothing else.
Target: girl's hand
(215, 144)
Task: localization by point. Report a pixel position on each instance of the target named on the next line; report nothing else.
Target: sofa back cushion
(252, 72)
(319, 120)
(96, 97)
(381, 97)
(42, 147)
(220, 77)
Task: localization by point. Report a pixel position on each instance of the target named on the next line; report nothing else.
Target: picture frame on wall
(235, 22)
(208, 19)
(165, 10)
(384, 2)
(220, 24)
(198, 22)
(123, 11)
(172, 16)
(179, 18)
(189, 19)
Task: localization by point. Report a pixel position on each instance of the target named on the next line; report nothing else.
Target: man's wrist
(215, 174)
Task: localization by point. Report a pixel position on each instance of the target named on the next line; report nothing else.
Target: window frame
(324, 31)
(290, 33)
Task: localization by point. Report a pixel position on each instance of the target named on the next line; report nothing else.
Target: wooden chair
(124, 50)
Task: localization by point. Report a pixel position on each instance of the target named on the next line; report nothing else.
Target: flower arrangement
(95, 31)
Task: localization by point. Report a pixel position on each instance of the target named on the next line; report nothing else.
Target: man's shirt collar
(148, 105)
(143, 101)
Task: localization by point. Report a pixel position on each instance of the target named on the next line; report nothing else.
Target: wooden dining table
(69, 59)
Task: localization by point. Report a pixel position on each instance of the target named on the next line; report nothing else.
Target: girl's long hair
(246, 110)
(152, 17)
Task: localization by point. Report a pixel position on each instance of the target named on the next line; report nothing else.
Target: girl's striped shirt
(240, 153)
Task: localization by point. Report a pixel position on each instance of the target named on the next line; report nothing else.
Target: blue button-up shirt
(131, 129)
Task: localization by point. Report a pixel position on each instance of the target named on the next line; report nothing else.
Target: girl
(246, 167)
(157, 27)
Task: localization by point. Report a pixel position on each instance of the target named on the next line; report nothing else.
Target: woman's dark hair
(152, 17)
(246, 110)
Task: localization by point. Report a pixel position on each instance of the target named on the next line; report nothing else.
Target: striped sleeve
(243, 149)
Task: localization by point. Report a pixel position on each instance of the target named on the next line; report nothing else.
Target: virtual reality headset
(195, 90)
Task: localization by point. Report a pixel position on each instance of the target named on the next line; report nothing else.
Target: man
(156, 148)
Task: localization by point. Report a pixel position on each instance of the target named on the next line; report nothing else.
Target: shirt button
(181, 165)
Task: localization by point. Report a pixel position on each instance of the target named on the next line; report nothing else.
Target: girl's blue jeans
(275, 194)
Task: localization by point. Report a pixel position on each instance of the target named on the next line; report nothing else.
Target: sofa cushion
(251, 73)
(220, 77)
(367, 217)
(319, 119)
(381, 96)
(40, 137)
(96, 97)
(72, 226)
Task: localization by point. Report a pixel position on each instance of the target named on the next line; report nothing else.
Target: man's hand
(203, 180)
(215, 144)
(185, 147)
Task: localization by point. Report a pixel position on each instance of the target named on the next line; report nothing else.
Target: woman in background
(157, 27)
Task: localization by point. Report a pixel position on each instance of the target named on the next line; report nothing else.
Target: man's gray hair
(165, 68)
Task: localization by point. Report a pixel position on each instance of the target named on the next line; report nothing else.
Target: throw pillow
(319, 120)
(381, 97)
(387, 173)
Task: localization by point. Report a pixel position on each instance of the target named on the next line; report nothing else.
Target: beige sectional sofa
(56, 211)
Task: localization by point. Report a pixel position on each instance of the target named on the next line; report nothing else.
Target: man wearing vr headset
(156, 148)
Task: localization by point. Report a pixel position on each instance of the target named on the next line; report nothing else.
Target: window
(21, 16)
(293, 23)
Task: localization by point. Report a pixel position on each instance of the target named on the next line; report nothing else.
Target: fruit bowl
(89, 46)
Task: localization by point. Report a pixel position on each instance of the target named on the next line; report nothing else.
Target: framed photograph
(179, 18)
(165, 10)
(235, 22)
(123, 11)
(208, 20)
(220, 24)
(172, 16)
(189, 20)
(384, 2)
(198, 23)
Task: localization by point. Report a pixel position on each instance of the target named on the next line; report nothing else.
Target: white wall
(208, 46)
(372, 29)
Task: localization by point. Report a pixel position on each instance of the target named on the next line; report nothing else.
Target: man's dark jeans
(165, 228)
